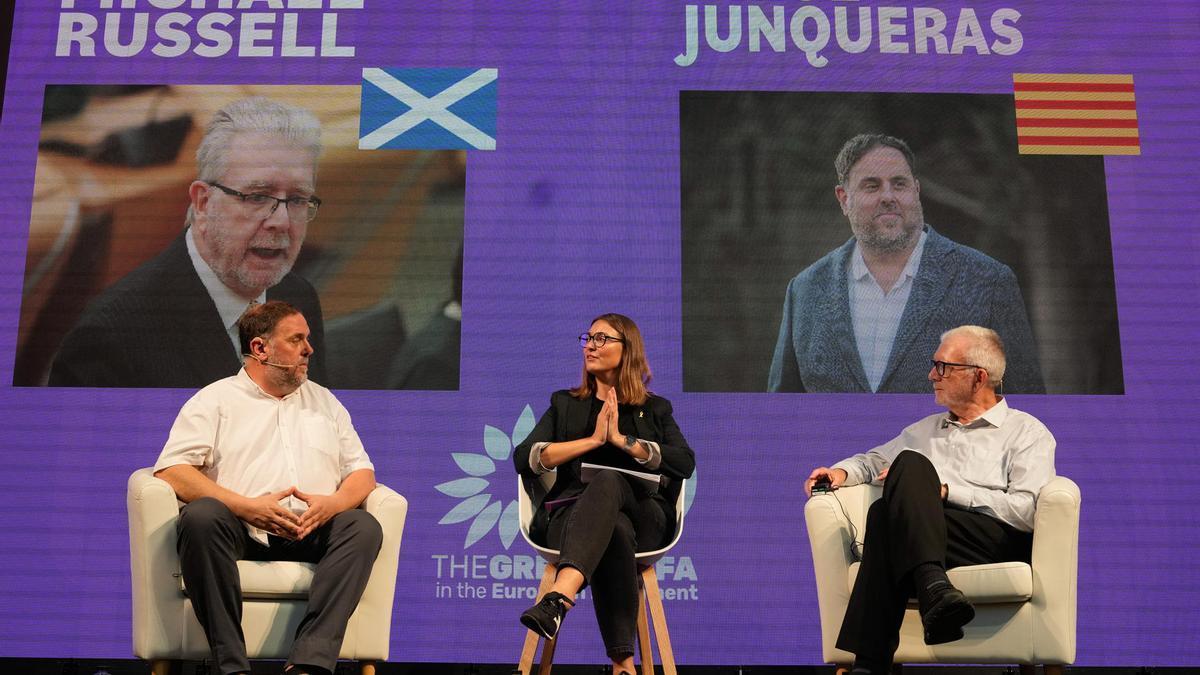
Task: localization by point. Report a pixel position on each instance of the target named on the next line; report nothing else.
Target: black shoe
(303, 669)
(545, 617)
(947, 614)
(870, 667)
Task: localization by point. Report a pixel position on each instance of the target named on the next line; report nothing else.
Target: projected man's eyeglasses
(259, 205)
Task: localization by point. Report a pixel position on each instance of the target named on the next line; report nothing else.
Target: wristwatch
(630, 441)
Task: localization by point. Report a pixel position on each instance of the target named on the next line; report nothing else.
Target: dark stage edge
(13, 666)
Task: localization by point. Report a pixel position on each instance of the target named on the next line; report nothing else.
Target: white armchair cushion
(272, 580)
(984, 584)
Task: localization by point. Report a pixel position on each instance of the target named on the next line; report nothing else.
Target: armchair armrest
(372, 619)
(154, 566)
(1055, 564)
(829, 535)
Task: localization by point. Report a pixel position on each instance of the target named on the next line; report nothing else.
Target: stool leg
(659, 616)
(531, 638)
(547, 656)
(367, 667)
(527, 652)
(643, 629)
(161, 667)
(1053, 669)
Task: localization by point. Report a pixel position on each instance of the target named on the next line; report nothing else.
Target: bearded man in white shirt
(271, 468)
(959, 488)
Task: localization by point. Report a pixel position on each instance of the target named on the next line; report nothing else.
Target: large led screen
(493, 175)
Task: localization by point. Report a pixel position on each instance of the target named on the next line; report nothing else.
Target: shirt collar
(246, 382)
(230, 305)
(858, 266)
(994, 416)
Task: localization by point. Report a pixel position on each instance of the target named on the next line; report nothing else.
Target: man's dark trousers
(212, 540)
(908, 526)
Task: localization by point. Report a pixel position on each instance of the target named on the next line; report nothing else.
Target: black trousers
(908, 526)
(212, 540)
(598, 535)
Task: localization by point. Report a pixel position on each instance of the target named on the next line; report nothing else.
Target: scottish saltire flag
(428, 109)
(1075, 114)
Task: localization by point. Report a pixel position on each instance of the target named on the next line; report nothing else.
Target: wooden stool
(648, 593)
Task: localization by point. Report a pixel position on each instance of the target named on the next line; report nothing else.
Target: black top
(569, 419)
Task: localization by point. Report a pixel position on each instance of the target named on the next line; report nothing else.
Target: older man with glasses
(172, 322)
(959, 488)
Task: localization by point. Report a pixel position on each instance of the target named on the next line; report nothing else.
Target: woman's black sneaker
(545, 617)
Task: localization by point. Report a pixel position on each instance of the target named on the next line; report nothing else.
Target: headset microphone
(271, 363)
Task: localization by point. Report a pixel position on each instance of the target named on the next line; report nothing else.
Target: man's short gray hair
(986, 350)
(297, 126)
(856, 147)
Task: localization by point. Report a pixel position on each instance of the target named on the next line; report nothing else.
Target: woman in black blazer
(612, 420)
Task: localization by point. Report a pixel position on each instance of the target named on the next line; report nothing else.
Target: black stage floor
(13, 666)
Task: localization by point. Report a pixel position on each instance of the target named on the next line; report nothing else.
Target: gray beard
(238, 274)
(256, 282)
(879, 243)
(290, 378)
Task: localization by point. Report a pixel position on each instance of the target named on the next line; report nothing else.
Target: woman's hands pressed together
(606, 421)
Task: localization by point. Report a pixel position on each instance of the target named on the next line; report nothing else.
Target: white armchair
(274, 593)
(1024, 614)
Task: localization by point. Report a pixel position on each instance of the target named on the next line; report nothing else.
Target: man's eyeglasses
(262, 206)
(940, 366)
(600, 339)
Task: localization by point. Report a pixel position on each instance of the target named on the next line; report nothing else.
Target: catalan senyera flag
(1074, 114)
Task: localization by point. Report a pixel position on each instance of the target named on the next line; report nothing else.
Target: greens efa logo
(488, 500)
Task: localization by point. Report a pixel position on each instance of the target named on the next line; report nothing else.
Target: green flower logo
(477, 504)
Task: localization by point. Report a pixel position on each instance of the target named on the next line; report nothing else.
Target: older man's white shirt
(253, 443)
(997, 464)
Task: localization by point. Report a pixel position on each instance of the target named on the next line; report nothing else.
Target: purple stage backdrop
(575, 211)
